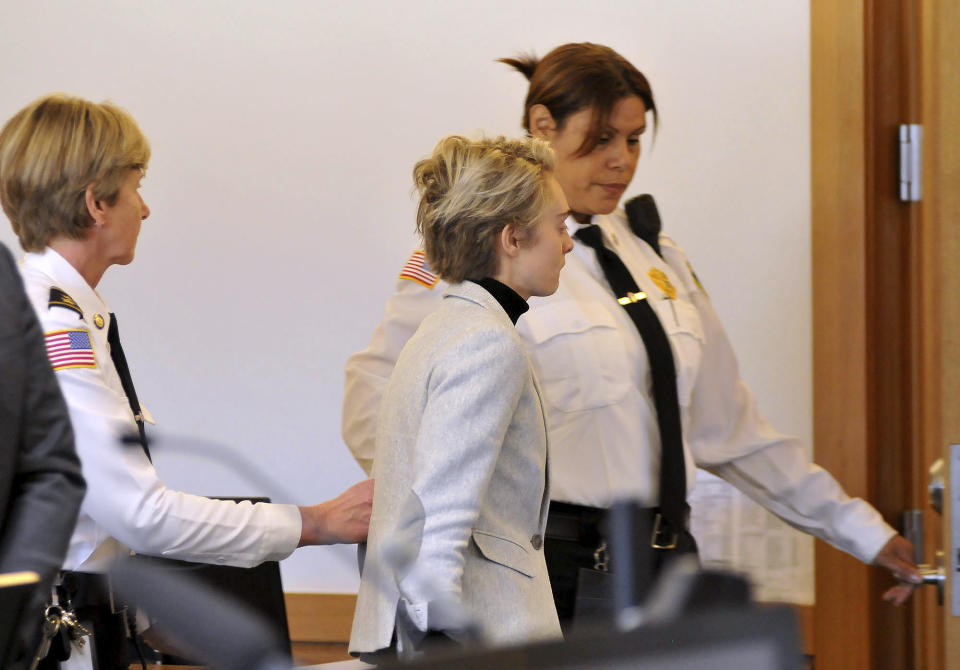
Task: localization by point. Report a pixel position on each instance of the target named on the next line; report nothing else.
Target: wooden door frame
(939, 252)
(840, 407)
(875, 311)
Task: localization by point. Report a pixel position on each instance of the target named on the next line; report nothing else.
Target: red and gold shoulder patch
(417, 269)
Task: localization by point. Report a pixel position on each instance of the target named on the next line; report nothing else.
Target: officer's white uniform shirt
(592, 364)
(127, 506)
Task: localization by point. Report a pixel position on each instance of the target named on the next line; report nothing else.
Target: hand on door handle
(934, 574)
(897, 557)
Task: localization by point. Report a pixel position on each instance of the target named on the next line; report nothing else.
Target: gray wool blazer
(462, 494)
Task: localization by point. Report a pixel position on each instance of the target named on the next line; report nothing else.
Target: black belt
(576, 523)
(587, 525)
(86, 589)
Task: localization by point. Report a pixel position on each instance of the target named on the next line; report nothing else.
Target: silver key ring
(601, 557)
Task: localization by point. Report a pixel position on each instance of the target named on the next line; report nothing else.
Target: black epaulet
(59, 298)
(644, 220)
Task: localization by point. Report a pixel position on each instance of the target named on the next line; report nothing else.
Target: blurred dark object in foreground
(691, 620)
(16, 590)
(255, 592)
(721, 639)
(216, 630)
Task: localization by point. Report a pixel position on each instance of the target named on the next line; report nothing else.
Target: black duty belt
(576, 523)
(86, 589)
(587, 525)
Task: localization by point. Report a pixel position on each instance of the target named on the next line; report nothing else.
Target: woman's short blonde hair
(51, 151)
(469, 191)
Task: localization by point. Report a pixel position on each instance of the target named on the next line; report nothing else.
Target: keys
(601, 557)
(75, 630)
(52, 621)
(57, 620)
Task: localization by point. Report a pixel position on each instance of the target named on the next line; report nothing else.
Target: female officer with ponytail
(617, 428)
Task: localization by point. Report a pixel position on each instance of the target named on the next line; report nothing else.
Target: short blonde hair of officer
(469, 191)
(51, 151)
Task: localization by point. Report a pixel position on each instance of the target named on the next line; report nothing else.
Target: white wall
(284, 134)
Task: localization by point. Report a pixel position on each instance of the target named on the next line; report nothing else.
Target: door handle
(935, 575)
(913, 531)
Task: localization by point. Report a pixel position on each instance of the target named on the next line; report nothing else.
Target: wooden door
(886, 305)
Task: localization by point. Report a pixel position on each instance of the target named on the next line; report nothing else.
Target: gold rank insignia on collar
(663, 283)
(98, 321)
(59, 298)
(632, 297)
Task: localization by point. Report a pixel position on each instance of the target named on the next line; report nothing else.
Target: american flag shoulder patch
(70, 348)
(417, 269)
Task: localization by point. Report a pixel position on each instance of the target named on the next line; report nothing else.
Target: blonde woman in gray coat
(456, 537)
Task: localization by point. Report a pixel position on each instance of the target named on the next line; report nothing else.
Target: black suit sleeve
(40, 482)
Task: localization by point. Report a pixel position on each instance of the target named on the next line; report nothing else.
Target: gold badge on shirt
(663, 283)
(98, 321)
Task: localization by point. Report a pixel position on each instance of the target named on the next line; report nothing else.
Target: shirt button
(221, 559)
(536, 541)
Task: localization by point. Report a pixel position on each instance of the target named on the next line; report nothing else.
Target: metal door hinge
(911, 161)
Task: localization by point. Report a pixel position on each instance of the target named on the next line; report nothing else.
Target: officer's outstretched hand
(897, 557)
(343, 520)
